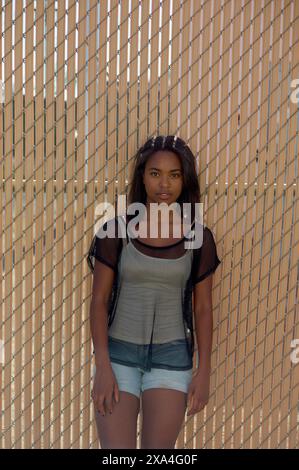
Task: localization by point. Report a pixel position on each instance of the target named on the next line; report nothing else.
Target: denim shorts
(135, 380)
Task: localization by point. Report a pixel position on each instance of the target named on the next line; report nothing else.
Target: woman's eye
(176, 175)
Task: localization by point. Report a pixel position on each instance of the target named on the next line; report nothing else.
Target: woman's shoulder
(200, 226)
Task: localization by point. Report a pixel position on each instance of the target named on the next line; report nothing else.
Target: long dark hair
(190, 191)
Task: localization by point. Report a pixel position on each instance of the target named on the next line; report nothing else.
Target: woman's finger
(99, 404)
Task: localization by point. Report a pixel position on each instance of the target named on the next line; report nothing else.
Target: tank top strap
(188, 249)
(123, 228)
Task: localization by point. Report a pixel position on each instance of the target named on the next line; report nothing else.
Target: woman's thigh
(164, 403)
(118, 430)
(164, 378)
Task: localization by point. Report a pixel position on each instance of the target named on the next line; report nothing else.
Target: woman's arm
(203, 313)
(102, 285)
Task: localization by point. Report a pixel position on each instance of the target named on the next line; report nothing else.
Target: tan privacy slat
(70, 312)
(90, 37)
(111, 130)
(261, 296)
(18, 309)
(59, 224)
(280, 309)
(182, 116)
(164, 59)
(264, 77)
(280, 56)
(133, 107)
(229, 354)
(204, 112)
(283, 77)
(183, 120)
(256, 199)
(203, 437)
(193, 132)
(288, 286)
(28, 236)
(123, 96)
(101, 108)
(260, 261)
(153, 70)
(255, 212)
(282, 364)
(247, 177)
(39, 226)
(143, 130)
(184, 62)
(287, 391)
(91, 40)
(8, 301)
(17, 224)
(81, 319)
(48, 329)
(225, 208)
(292, 325)
(261, 256)
(229, 203)
(224, 361)
(1, 248)
(214, 99)
(249, 31)
(294, 71)
(273, 278)
(190, 424)
(290, 391)
(293, 65)
(174, 71)
(88, 64)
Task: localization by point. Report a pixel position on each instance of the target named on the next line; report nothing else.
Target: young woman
(141, 312)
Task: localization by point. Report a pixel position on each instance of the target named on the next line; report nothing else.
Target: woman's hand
(198, 392)
(105, 388)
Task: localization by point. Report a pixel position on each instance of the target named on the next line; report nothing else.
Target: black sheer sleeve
(208, 258)
(105, 245)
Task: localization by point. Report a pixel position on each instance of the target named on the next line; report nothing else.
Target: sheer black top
(150, 314)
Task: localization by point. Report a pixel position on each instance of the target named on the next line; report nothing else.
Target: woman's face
(163, 177)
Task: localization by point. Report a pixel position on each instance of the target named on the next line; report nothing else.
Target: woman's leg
(118, 430)
(163, 412)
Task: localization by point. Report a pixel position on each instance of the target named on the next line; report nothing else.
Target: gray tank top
(149, 309)
(150, 285)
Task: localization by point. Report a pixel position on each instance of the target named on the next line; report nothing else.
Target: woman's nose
(164, 183)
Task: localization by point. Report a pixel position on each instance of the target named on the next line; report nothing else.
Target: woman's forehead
(164, 160)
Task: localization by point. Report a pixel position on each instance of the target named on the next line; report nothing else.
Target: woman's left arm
(203, 316)
(198, 393)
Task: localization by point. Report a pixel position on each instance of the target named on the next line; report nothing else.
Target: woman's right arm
(103, 278)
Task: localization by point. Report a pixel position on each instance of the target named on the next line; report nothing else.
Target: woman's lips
(164, 195)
